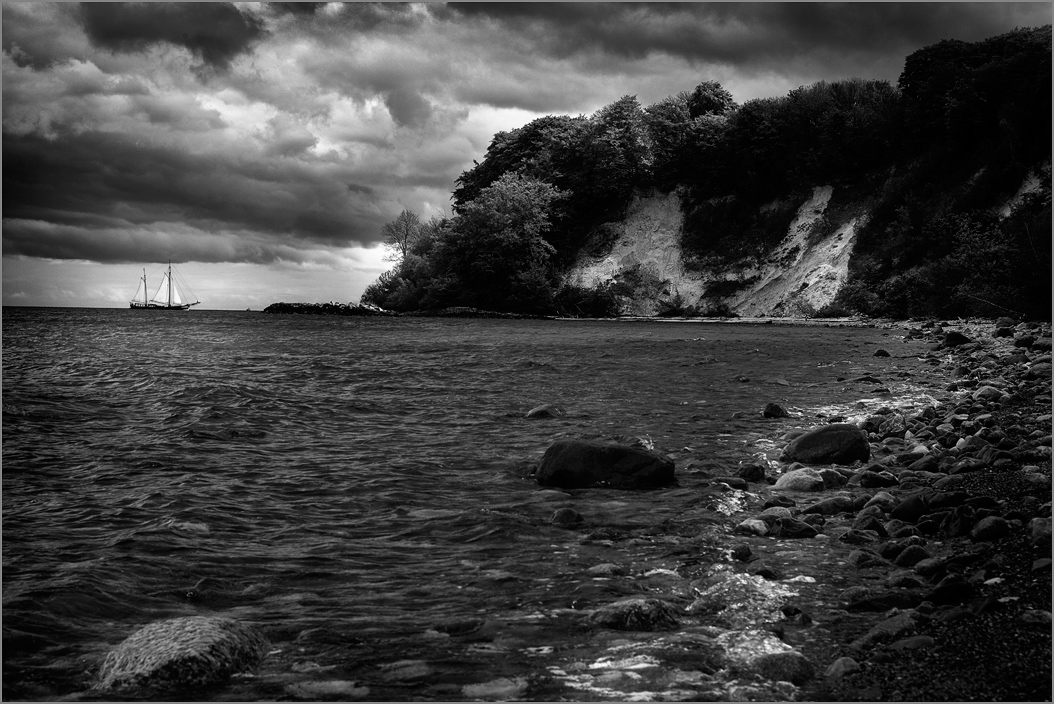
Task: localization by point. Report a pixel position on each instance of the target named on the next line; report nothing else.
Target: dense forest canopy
(934, 155)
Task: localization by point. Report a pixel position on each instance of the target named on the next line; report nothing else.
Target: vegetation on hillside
(936, 155)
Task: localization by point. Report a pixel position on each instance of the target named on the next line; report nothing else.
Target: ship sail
(167, 294)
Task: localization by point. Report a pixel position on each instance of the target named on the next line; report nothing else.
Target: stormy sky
(261, 147)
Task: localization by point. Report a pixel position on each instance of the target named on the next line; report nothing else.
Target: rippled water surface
(357, 488)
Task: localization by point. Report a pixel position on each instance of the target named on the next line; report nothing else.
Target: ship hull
(155, 306)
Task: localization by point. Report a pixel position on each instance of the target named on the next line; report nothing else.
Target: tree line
(933, 154)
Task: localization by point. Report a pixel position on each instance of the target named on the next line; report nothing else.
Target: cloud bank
(266, 133)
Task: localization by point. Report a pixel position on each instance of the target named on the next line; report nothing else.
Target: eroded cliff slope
(799, 276)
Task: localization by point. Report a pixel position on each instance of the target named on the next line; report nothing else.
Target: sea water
(359, 488)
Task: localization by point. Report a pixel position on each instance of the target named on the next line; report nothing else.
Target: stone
(894, 627)
(804, 479)
(572, 464)
(784, 501)
(910, 556)
(742, 552)
(903, 579)
(876, 480)
(881, 353)
(841, 667)
(1005, 322)
(566, 518)
(882, 499)
(926, 463)
(990, 528)
(958, 522)
(858, 537)
(774, 410)
(831, 506)
(913, 643)
(793, 528)
(832, 479)
(1024, 341)
(732, 482)
(838, 443)
(1042, 344)
(863, 558)
(894, 426)
(1041, 370)
(1039, 532)
(789, 666)
(955, 339)
(778, 512)
(947, 499)
(607, 569)
(546, 410)
(179, 653)
(893, 599)
(752, 472)
(870, 524)
(752, 526)
(986, 393)
(639, 614)
(911, 509)
(740, 600)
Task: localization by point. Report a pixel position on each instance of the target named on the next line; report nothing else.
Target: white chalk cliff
(803, 273)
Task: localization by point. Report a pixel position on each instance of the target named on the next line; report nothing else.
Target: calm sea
(355, 487)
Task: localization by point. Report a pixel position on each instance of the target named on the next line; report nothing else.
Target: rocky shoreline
(918, 571)
(896, 551)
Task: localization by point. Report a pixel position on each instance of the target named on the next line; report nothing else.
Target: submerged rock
(774, 410)
(838, 443)
(571, 464)
(636, 615)
(192, 651)
(546, 410)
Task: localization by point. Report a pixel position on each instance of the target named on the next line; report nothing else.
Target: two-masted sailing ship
(167, 296)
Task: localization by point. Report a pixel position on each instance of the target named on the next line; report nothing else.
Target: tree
(400, 234)
(495, 253)
(709, 98)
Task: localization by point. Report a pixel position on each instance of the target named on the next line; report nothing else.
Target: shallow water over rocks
(359, 491)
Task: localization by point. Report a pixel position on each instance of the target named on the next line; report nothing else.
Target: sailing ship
(166, 297)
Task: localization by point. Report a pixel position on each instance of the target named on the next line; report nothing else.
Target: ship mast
(169, 283)
(146, 293)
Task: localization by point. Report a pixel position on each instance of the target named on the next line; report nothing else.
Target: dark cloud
(296, 8)
(95, 181)
(214, 32)
(41, 37)
(407, 107)
(745, 33)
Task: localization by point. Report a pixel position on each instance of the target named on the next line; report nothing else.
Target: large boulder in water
(573, 464)
(837, 443)
(180, 653)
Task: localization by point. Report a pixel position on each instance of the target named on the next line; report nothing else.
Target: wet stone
(830, 506)
(841, 667)
(804, 479)
(838, 443)
(990, 528)
(911, 555)
(913, 643)
(793, 528)
(636, 615)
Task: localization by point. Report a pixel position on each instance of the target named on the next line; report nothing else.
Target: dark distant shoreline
(351, 309)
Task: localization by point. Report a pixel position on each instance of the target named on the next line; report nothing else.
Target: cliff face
(803, 273)
(796, 278)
